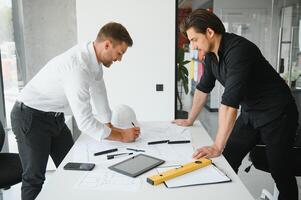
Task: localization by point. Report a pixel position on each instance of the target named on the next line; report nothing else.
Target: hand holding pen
(130, 134)
(124, 135)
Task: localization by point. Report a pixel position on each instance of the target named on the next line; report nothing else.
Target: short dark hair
(115, 31)
(201, 19)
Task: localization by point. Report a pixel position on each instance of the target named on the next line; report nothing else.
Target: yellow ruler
(172, 173)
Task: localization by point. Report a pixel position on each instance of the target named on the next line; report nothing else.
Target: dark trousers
(38, 134)
(278, 136)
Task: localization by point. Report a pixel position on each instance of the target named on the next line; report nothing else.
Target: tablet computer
(136, 165)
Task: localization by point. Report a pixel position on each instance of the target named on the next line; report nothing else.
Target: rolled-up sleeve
(207, 81)
(76, 84)
(239, 61)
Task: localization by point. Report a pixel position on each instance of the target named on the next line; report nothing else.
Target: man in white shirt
(73, 80)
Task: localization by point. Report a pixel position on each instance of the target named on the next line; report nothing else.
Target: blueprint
(101, 178)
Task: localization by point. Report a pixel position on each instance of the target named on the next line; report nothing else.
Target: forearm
(226, 120)
(115, 134)
(198, 103)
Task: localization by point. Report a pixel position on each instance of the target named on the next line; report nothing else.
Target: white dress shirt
(73, 80)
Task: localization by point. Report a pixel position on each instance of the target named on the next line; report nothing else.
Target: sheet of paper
(107, 180)
(101, 178)
(206, 175)
(162, 131)
(171, 153)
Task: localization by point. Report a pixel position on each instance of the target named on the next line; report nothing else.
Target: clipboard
(209, 174)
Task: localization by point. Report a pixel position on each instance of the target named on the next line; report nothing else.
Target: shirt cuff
(230, 103)
(100, 135)
(203, 89)
(105, 132)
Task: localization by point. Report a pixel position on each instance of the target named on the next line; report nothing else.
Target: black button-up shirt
(248, 78)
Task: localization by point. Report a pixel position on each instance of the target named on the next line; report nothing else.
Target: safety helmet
(123, 116)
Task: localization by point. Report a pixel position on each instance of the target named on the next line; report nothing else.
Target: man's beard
(107, 64)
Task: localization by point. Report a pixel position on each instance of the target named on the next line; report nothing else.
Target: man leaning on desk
(268, 110)
(69, 80)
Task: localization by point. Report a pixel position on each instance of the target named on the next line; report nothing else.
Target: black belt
(23, 107)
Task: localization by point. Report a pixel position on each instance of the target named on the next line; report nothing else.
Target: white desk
(61, 184)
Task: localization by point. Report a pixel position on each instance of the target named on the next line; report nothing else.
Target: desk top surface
(62, 184)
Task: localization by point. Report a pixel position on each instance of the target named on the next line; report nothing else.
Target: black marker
(137, 150)
(158, 142)
(179, 142)
(117, 155)
(105, 152)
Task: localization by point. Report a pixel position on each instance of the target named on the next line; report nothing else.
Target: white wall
(151, 60)
(255, 20)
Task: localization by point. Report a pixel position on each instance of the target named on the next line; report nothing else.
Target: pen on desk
(117, 155)
(137, 150)
(105, 152)
(158, 142)
(178, 141)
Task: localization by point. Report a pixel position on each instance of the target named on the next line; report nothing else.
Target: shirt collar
(94, 64)
(221, 48)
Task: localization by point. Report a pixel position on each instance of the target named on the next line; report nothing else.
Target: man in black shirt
(268, 110)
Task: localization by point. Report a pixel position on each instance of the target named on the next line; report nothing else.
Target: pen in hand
(137, 133)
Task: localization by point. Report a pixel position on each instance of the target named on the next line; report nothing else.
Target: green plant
(182, 74)
(294, 74)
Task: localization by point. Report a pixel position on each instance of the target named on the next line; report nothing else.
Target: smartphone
(79, 166)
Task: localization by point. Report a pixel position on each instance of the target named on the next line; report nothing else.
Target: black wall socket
(159, 87)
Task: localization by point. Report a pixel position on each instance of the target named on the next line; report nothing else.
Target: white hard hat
(123, 117)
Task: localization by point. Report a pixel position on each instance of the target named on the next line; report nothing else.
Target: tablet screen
(136, 165)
